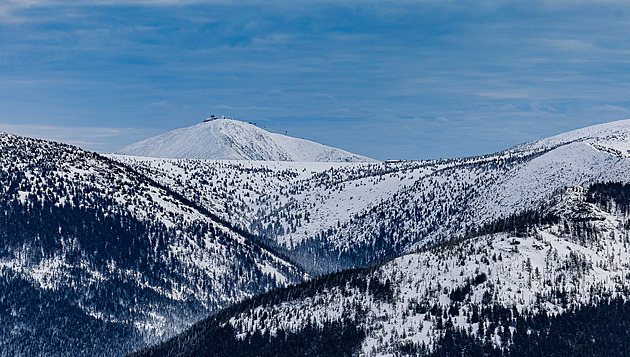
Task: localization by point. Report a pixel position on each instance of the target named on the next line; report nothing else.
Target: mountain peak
(229, 139)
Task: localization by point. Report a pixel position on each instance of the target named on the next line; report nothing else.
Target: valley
(395, 257)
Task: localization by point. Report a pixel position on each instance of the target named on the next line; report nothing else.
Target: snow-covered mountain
(552, 281)
(97, 259)
(227, 139)
(138, 248)
(331, 216)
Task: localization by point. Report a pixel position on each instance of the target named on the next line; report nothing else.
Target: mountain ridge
(347, 214)
(493, 291)
(178, 239)
(228, 139)
(613, 135)
(113, 251)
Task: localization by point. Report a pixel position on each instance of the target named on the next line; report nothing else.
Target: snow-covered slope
(138, 247)
(344, 215)
(613, 137)
(227, 139)
(493, 288)
(98, 259)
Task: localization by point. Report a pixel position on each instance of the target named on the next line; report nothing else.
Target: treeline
(196, 339)
(593, 330)
(334, 339)
(518, 224)
(605, 194)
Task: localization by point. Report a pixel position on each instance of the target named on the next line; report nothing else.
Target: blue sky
(404, 79)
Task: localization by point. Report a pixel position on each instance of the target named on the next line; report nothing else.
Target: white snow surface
(613, 137)
(522, 272)
(294, 202)
(227, 139)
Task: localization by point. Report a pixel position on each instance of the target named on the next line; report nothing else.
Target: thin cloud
(163, 64)
(91, 138)
(326, 96)
(251, 107)
(569, 44)
(502, 95)
(613, 108)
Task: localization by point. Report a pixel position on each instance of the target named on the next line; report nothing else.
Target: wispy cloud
(500, 72)
(325, 96)
(92, 138)
(502, 95)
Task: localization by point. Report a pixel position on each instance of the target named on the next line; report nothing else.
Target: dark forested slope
(96, 259)
(550, 281)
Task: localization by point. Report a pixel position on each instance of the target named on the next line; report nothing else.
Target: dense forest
(594, 330)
